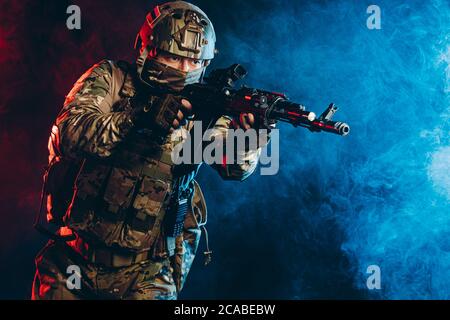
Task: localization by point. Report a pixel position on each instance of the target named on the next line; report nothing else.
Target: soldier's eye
(195, 62)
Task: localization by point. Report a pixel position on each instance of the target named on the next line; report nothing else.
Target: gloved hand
(163, 114)
(248, 121)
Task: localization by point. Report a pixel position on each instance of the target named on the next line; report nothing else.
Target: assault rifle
(217, 96)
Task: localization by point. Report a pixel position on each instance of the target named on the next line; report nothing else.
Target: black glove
(159, 113)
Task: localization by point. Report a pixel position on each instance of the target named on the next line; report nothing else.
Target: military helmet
(179, 28)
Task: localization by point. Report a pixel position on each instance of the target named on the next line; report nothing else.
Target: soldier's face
(180, 63)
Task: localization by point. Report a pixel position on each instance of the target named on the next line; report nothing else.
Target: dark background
(338, 205)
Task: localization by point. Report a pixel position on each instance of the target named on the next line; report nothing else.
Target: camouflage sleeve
(238, 170)
(87, 124)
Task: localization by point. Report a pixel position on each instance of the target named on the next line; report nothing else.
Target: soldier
(129, 219)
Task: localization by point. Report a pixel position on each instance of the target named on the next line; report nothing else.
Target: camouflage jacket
(122, 176)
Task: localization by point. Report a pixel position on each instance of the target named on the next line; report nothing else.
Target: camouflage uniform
(109, 186)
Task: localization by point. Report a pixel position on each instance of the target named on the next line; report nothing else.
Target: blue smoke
(338, 205)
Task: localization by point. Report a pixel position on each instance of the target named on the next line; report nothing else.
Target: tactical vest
(122, 201)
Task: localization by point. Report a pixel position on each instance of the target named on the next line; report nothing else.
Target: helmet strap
(140, 62)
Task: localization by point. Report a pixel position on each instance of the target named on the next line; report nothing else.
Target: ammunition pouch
(119, 205)
(107, 257)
